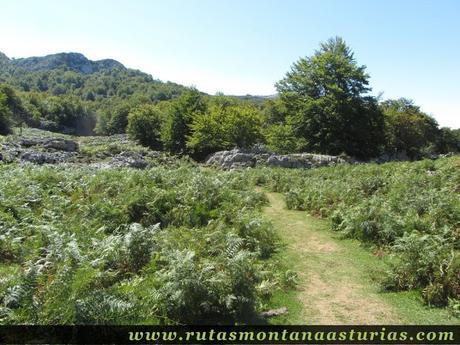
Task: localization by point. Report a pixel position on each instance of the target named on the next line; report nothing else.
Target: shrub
(144, 125)
(411, 209)
(224, 126)
(122, 246)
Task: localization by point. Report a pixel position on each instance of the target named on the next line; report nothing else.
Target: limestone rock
(61, 145)
(246, 159)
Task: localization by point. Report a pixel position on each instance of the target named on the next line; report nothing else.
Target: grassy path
(337, 282)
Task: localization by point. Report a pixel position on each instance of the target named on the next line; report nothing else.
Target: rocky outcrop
(57, 150)
(245, 159)
(129, 160)
(39, 150)
(274, 312)
(58, 144)
(61, 145)
(46, 157)
(70, 61)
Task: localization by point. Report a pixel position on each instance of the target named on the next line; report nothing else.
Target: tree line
(323, 106)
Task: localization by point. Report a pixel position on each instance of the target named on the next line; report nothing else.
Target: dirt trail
(335, 286)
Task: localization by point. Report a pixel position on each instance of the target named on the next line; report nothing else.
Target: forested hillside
(67, 92)
(323, 105)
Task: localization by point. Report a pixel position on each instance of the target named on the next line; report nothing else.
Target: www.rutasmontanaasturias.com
(290, 336)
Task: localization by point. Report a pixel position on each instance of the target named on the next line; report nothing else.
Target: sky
(411, 47)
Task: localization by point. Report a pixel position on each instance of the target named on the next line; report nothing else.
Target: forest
(323, 105)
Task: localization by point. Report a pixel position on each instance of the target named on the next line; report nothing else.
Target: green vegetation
(409, 129)
(181, 114)
(326, 106)
(225, 125)
(337, 279)
(123, 246)
(323, 106)
(67, 92)
(5, 115)
(410, 211)
(144, 125)
(179, 243)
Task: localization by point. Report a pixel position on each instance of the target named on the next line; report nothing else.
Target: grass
(339, 278)
(409, 210)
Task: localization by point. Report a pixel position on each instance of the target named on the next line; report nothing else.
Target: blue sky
(411, 48)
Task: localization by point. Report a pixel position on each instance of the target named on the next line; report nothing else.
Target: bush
(412, 209)
(144, 125)
(224, 126)
(122, 246)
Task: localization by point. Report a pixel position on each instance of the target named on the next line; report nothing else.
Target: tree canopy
(226, 124)
(323, 106)
(408, 129)
(144, 125)
(327, 106)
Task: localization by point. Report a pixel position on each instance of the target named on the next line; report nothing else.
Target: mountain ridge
(78, 62)
(67, 60)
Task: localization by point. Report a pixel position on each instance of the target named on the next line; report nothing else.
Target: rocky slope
(40, 147)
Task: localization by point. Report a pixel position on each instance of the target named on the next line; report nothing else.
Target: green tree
(274, 111)
(280, 138)
(114, 119)
(448, 140)
(407, 128)
(225, 125)
(5, 115)
(14, 103)
(68, 113)
(182, 113)
(144, 125)
(325, 98)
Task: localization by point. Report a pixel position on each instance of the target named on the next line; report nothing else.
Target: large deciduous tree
(327, 106)
(182, 112)
(407, 128)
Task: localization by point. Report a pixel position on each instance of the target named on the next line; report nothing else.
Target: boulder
(61, 145)
(26, 142)
(38, 158)
(130, 160)
(274, 312)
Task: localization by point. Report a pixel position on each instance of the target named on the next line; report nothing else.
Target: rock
(274, 312)
(238, 159)
(61, 145)
(243, 159)
(28, 142)
(130, 160)
(38, 158)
